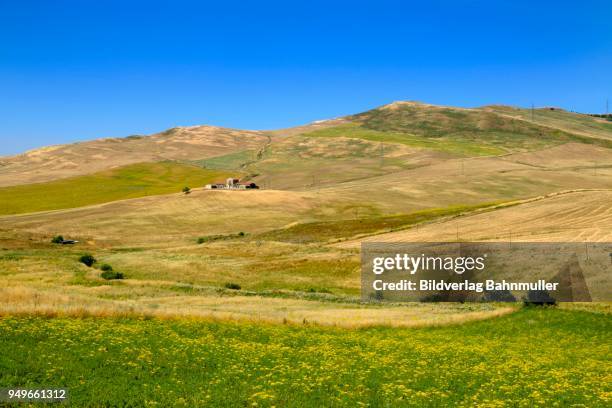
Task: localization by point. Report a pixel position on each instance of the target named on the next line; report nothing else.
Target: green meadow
(535, 357)
(231, 161)
(136, 180)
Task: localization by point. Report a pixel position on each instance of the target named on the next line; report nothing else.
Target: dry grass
(185, 143)
(572, 217)
(575, 123)
(177, 220)
(26, 301)
(314, 181)
(171, 220)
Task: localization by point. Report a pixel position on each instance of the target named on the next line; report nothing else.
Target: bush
(106, 267)
(87, 259)
(58, 239)
(186, 190)
(499, 296)
(108, 275)
(220, 237)
(233, 286)
(435, 297)
(318, 290)
(539, 298)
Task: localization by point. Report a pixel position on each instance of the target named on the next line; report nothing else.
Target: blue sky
(77, 70)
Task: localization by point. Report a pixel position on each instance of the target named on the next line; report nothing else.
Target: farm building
(232, 184)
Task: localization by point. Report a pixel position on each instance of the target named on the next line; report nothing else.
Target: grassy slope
(231, 161)
(446, 144)
(177, 144)
(136, 180)
(298, 162)
(530, 358)
(462, 132)
(579, 216)
(327, 230)
(560, 119)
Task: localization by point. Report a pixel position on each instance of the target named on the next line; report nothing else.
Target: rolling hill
(585, 125)
(177, 144)
(564, 217)
(119, 183)
(403, 128)
(404, 171)
(467, 132)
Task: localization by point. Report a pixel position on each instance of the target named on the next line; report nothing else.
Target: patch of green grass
(458, 146)
(338, 274)
(322, 231)
(136, 180)
(231, 161)
(535, 357)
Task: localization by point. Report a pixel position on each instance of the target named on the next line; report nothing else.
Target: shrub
(435, 297)
(221, 237)
(377, 295)
(499, 296)
(186, 190)
(58, 239)
(87, 259)
(233, 286)
(539, 298)
(318, 290)
(108, 275)
(106, 267)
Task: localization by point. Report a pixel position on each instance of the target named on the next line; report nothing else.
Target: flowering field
(534, 357)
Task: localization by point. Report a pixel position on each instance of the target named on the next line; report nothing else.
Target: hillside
(569, 217)
(466, 132)
(379, 141)
(404, 171)
(436, 185)
(119, 183)
(181, 143)
(576, 123)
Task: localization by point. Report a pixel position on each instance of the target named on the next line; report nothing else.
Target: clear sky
(76, 70)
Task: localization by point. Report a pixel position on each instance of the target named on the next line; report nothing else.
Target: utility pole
(586, 249)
